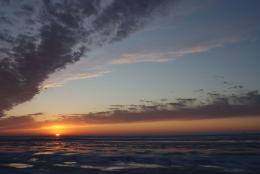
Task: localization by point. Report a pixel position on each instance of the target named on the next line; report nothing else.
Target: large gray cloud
(38, 37)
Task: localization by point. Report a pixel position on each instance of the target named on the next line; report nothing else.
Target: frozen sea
(200, 154)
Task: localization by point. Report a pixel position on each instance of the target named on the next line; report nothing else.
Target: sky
(129, 67)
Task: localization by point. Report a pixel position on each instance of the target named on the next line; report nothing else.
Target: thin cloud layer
(61, 80)
(176, 53)
(40, 37)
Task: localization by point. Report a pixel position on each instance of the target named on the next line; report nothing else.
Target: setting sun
(57, 130)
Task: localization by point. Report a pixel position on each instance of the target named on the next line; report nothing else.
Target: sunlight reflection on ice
(122, 166)
(66, 164)
(33, 159)
(18, 165)
(43, 153)
(236, 170)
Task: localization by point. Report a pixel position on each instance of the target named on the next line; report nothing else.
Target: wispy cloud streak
(61, 80)
(166, 56)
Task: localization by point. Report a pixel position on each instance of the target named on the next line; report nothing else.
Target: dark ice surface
(211, 154)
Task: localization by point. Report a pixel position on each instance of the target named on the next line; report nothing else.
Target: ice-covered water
(175, 154)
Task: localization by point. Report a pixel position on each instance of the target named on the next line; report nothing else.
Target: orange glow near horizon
(246, 124)
(62, 129)
(55, 129)
(158, 127)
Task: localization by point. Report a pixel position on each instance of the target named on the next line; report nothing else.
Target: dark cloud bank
(38, 37)
(212, 105)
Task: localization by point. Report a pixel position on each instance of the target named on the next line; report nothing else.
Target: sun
(55, 130)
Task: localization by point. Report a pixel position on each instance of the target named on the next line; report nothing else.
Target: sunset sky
(146, 67)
